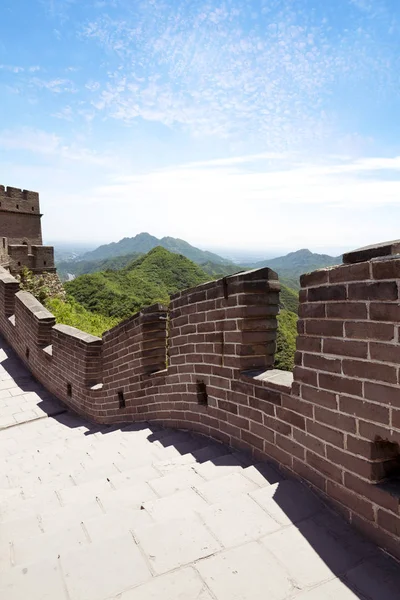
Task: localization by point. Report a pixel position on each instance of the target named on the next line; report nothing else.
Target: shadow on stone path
(145, 513)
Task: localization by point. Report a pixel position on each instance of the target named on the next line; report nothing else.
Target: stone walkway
(143, 513)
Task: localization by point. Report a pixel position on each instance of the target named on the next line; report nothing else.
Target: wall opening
(69, 390)
(121, 400)
(201, 391)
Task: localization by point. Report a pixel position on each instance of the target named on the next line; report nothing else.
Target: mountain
(144, 242)
(149, 279)
(294, 264)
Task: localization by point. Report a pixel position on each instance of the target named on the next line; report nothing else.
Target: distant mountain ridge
(294, 264)
(142, 243)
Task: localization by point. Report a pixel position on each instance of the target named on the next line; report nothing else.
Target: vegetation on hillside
(286, 340)
(289, 299)
(149, 279)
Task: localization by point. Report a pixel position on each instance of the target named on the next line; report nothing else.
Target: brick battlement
(14, 199)
(206, 364)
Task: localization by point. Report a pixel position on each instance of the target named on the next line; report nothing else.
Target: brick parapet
(205, 365)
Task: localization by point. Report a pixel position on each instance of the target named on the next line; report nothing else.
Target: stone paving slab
(139, 512)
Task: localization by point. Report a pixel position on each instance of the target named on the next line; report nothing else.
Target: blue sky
(258, 124)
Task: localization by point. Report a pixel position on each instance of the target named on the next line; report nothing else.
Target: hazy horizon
(260, 123)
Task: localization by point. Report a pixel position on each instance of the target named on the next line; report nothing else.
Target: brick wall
(207, 365)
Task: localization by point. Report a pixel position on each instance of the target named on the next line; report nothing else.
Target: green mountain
(144, 242)
(149, 279)
(294, 264)
(289, 299)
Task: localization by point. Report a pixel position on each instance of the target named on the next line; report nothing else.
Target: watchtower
(21, 232)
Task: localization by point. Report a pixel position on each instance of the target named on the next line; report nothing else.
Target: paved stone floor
(144, 513)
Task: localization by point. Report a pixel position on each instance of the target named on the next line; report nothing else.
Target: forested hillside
(151, 278)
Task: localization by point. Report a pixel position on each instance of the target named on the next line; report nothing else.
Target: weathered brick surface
(198, 365)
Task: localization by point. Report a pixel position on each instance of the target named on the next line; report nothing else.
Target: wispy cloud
(202, 70)
(51, 145)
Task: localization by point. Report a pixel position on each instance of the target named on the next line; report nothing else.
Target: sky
(247, 124)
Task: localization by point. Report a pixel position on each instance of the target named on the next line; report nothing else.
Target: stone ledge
(369, 252)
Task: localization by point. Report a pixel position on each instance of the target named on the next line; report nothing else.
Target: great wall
(205, 364)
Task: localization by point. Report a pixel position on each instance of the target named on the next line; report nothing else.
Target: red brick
(370, 331)
(268, 395)
(373, 291)
(319, 397)
(389, 522)
(278, 454)
(345, 348)
(297, 405)
(344, 273)
(251, 413)
(310, 442)
(389, 269)
(290, 446)
(305, 376)
(309, 474)
(383, 394)
(364, 409)
(262, 431)
(335, 419)
(385, 352)
(276, 425)
(315, 278)
(340, 384)
(326, 433)
(309, 344)
(384, 311)
(347, 310)
(252, 440)
(324, 466)
(327, 293)
(228, 406)
(353, 501)
(312, 311)
(369, 370)
(324, 327)
(290, 417)
(322, 363)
